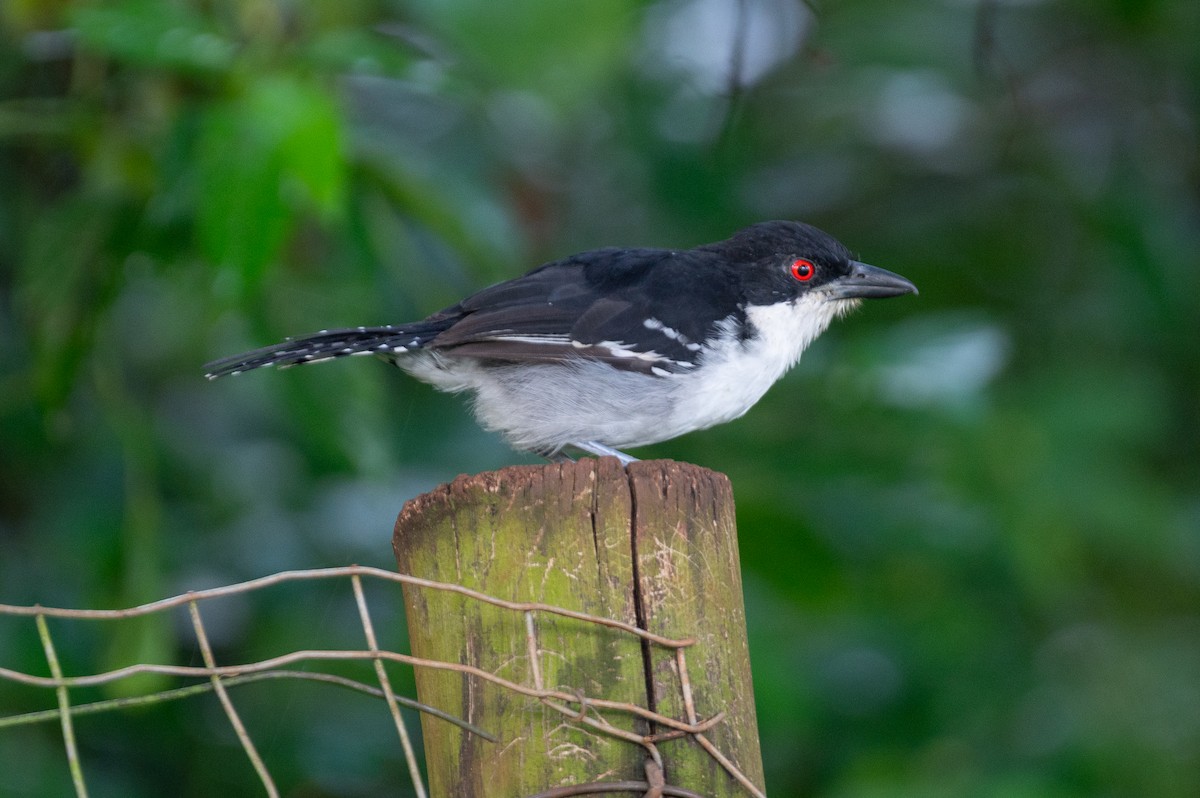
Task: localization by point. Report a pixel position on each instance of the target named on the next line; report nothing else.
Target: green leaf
(358, 51)
(65, 283)
(152, 33)
(562, 49)
(309, 137)
(261, 159)
(241, 218)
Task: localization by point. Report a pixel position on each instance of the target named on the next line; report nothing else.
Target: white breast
(734, 375)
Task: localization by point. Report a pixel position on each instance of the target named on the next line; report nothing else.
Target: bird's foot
(600, 450)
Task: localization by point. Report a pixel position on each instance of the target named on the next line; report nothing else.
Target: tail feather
(326, 345)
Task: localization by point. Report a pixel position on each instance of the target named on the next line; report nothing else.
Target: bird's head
(783, 261)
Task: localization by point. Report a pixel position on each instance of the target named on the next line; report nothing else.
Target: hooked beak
(869, 282)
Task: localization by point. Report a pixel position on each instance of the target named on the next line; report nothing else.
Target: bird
(619, 348)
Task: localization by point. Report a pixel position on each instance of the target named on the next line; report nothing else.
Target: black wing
(646, 310)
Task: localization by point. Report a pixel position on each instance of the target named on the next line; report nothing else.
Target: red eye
(803, 270)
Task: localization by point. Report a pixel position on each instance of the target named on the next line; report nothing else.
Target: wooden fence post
(654, 546)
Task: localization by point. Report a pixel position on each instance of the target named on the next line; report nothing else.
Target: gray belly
(542, 407)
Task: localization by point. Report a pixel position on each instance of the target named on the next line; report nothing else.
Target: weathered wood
(653, 546)
(685, 542)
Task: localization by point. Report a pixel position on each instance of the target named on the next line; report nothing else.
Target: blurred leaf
(261, 158)
(310, 139)
(153, 33)
(241, 217)
(28, 15)
(139, 640)
(358, 51)
(147, 638)
(530, 43)
(65, 283)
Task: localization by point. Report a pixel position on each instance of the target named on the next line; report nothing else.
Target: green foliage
(565, 52)
(261, 158)
(145, 33)
(970, 521)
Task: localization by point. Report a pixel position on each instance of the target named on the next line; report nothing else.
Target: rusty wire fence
(594, 712)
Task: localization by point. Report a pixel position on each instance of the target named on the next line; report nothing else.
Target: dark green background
(970, 520)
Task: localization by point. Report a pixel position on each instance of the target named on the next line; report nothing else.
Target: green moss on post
(654, 546)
